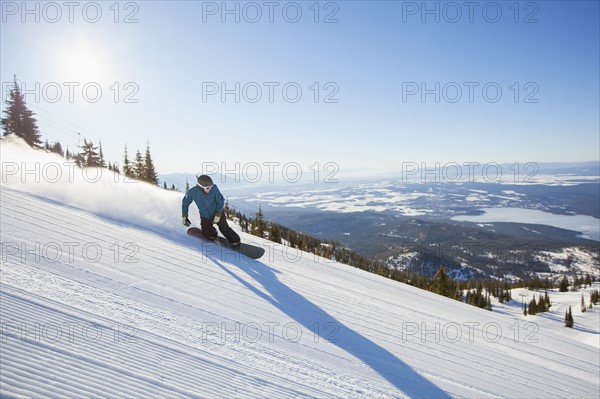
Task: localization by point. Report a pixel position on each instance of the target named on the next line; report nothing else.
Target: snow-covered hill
(103, 295)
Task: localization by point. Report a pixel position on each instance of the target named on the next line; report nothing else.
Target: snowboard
(251, 251)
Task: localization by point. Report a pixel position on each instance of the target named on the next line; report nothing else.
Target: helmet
(204, 181)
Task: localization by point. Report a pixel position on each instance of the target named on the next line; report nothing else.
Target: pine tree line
(578, 283)
(478, 292)
(142, 167)
(21, 122)
(54, 147)
(280, 234)
(564, 285)
(440, 284)
(540, 306)
(594, 300)
(479, 299)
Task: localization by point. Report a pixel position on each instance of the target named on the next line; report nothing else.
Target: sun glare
(83, 63)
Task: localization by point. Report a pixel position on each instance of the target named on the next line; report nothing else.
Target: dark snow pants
(210, 232)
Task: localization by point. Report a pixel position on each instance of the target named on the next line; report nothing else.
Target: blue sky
(368, 85)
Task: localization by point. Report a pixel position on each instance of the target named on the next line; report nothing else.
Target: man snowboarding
(210, 203)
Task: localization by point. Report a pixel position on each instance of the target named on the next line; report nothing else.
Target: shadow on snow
(306, 313)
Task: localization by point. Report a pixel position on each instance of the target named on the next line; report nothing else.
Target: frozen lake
(588, 226)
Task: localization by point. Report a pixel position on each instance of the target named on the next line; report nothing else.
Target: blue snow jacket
(209, 204)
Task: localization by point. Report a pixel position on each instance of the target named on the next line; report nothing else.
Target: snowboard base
(251, 251)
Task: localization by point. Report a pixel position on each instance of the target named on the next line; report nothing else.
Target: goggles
(205, 188)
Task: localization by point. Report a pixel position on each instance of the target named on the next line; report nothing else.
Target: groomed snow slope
(103, 295)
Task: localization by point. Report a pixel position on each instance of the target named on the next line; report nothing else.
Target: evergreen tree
(138, 166)
(89, 154)
(101, 155)
(290, 237)
(470, 284)
(489, 303)
(149, 173)
(274, 233)
(532, 307)
(564, 284)
(57, 148)
(569, 318)
(535, 283)
(583, 307)
(244, 224)
(79, 160)
(127, 167)
(258, 225)
(595, 297)
(458, 294)
(18, 119)
(442, 284)
(305, 246)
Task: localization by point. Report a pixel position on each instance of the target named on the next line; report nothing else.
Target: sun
(83, 63)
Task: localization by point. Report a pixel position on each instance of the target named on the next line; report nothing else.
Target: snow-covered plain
(103, 295)
(357, 199)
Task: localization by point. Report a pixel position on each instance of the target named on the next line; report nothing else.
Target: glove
(217, 218)
(185, 220)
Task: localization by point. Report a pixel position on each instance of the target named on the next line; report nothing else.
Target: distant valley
(421, 226)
